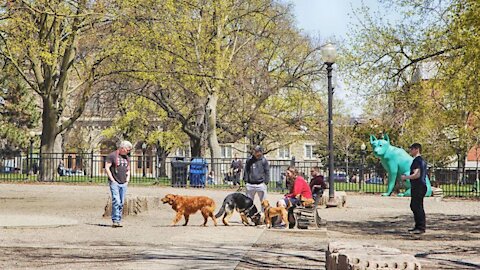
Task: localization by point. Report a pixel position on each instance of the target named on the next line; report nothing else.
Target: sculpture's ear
(386, 138)
(372, 139)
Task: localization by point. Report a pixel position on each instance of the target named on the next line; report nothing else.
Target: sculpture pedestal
(340, 199)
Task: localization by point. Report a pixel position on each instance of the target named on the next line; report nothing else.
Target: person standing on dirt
(257, 174)
(236, 167)
(117, 166)
(418, 175)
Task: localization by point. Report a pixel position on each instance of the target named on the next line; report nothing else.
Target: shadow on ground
(96, 254)
(277, 250)
(440, 227)
(270, 252)
(445, 259)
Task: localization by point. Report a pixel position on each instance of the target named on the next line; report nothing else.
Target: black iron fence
(219, 173)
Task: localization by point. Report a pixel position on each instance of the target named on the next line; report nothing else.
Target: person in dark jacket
(317, 184)
(257, 174)
(236, 168)
(418, 180)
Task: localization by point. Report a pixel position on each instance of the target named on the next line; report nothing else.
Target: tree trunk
(48, 159)
(195, 147)
(212, 128)
(162, 154)
(461, 168)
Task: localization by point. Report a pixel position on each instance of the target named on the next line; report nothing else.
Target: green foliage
(420, 73)
(143, 121)
(18, 112)
(216, 66)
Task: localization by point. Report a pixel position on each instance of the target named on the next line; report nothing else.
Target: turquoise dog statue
(396, 162)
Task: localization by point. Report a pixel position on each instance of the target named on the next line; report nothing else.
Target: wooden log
(131, 206)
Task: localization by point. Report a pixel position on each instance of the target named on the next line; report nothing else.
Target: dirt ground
(149, 242)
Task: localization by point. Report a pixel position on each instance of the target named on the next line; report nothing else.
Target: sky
(330, 19)
(327, 17)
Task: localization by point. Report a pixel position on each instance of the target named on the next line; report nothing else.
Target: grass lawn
(449, 190)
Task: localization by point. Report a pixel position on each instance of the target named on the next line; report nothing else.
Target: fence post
(91, 165)
(292, 161)
(157, 164)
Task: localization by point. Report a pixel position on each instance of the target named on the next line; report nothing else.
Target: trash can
(198, 172)
(179, 172)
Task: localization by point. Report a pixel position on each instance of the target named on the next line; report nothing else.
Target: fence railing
(183, 172)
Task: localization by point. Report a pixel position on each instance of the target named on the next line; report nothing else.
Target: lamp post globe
(329, 53)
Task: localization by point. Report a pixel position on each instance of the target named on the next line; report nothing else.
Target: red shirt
(300, 186)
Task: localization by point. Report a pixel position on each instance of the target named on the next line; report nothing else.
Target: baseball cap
(258, 148)
(415, 146)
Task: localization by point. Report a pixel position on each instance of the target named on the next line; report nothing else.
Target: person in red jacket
(298, 187)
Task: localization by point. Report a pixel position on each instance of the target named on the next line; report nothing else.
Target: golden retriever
(187, 205)
(271, 212)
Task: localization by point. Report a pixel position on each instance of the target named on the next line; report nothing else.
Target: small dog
(187, 205)
(271, 212)
(243, 204)
(304, 201)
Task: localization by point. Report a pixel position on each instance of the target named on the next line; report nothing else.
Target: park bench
(306, 215)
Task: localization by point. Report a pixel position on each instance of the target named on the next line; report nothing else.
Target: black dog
(243, 205)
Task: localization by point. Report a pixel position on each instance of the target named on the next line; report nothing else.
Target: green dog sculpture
(396, 162)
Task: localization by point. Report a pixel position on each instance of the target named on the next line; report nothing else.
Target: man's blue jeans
(118, 199)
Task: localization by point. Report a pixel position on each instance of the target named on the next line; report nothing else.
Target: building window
(226, 151)
(78, 162)
(181, 152)
(69, 161)
(104, 160)
(309, 151)
(284, 152)
(139, 162)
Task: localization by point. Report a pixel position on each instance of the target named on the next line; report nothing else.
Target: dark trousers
(236, 178)
(416, 205)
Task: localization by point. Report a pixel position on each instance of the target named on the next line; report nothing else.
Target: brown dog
(271, 212)
(304, 201)
(187, 205)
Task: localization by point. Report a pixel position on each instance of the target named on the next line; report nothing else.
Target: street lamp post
(144, 149)
(329, 55)
(363, 147)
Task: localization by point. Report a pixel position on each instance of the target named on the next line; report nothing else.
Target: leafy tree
(141, 120)
(424, 69)
(18, 113)
(57, 48)
(218, 60)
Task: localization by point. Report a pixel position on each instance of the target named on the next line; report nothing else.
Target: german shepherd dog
(243, 205)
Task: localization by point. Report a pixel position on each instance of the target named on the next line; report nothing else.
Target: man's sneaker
(412, 229)
(280, 226)
(417, 231)
(116, 225)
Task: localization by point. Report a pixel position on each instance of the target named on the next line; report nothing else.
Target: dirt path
(148, 242)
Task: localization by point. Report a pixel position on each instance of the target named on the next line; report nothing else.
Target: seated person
(61, 169)
(317, 184)
(211, 178)
(298, 187)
